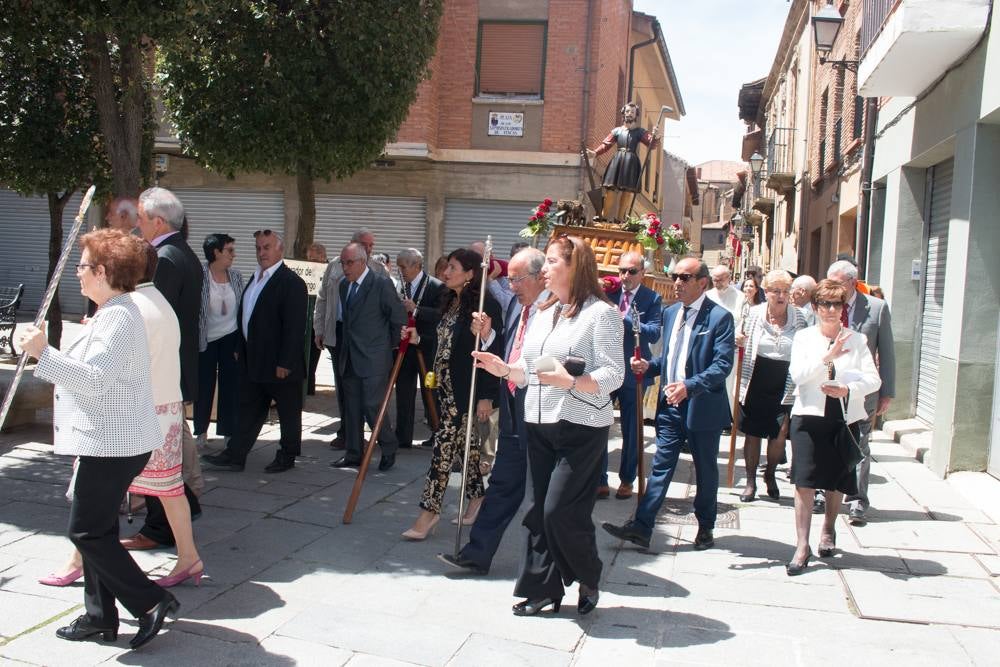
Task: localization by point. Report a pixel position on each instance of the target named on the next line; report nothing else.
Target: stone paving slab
(922, 536)
(20, 612)
(487, 651)
(941, 599)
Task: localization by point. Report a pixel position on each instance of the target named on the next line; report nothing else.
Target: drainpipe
(631, 60)
(585, 102)
(863, 224)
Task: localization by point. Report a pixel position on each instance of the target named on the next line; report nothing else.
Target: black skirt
(761, 413)
(818, 461)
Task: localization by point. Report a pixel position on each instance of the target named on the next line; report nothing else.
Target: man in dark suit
(160, 218)
(508, 479)
(421, 298)
(693, 407)
(870, 316)
(373, 320)
(271, 355)
(632, 294)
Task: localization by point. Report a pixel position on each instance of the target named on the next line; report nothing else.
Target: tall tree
(50, 144)
(311, 89)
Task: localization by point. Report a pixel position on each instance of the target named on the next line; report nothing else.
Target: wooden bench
(10, 299)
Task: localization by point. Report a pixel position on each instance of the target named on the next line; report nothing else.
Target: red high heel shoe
(181, 577)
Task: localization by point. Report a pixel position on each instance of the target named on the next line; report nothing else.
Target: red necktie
(843, 316)
(515, 352)
(623, 307)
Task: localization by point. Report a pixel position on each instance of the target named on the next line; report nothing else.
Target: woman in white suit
(833, 372)
(104, 414)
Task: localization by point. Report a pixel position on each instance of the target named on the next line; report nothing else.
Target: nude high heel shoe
(471, 512)
(415, 535)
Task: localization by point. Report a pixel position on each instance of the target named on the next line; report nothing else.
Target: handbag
(847, 443)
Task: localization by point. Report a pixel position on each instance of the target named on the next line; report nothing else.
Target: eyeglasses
(683, 277)
(81, 267)
(262, 232)
(829, 304)
(632, 272)
(514, 281)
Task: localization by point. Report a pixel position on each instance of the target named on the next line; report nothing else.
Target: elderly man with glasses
(632, 296)
(693, 406)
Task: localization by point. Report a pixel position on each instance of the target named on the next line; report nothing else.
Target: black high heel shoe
(532, 607)
(83, 628)
(151, 622)
(826, 548)
(588, 600)
(772, 485)
(749, 493)
(793, 569)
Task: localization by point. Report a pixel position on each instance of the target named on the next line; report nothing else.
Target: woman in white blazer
(104, 414)
(833, 372)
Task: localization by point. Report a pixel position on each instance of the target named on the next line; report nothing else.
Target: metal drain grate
(679, 512)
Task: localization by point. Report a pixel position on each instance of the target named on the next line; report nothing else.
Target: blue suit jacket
(650, 307)
(709, 360)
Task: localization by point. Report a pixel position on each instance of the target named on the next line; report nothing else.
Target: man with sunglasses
(693, 406)
(632, 293)
(271, 354)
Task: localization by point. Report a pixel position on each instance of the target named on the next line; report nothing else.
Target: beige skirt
(162, 474)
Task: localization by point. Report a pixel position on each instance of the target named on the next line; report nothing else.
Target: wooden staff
(731, 470)
(640, 390)
(645, 163)
(50, 291)
(366, 458)
(432, 413)
(487, 252)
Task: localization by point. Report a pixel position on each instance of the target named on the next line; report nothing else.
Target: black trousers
(508, 479)
(362, 401)
(338, 384)
(156, 527)
(255, 401)
(109, 572)
(407, 383)
(218, 358)
(564, 461)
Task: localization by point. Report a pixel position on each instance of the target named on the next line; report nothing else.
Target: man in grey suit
(373, 319)
(870, 316)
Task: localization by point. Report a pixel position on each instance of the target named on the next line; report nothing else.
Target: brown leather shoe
(603, 492)
(624, 492)
(140, 542)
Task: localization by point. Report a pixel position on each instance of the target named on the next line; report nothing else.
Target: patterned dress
(449, 439)
(162, 474)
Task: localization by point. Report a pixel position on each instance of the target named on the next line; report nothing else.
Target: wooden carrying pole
(366, 458)
(50, 291)
(640, 390)
(487, 252)
(731, 470)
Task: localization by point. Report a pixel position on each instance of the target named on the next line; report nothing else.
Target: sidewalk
(290, 584)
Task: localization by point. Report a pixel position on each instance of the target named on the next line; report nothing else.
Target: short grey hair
(533, 256)
(720, 269)
(360, 234)
(410, 257)
(126, 207)
(635, 255)
(807, 283)
(162, 203)
(844, 268)
(359, 250)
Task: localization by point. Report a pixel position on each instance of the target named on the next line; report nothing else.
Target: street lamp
(756, 164)
(826, 25)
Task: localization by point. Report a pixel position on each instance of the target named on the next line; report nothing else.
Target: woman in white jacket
(833, 372)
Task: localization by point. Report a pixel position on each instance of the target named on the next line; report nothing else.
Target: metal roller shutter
(468, 220)
(933, 297)
(24, 222)
(238, 213)
(397, 222)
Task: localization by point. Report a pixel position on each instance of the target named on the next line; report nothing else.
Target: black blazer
(460, 362)
(179, 278)
(372, 325)
(429, 314)
(276, 331)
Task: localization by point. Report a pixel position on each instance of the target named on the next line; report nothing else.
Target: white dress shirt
(252, 292)
(681, 335)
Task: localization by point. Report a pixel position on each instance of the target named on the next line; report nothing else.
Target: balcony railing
(875, 12)
(779, 151)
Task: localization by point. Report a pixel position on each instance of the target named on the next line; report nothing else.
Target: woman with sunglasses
(766, 389)
(833, 372)
(568, 416)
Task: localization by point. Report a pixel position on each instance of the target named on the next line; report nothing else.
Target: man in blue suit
(632, 295)
(693, 407)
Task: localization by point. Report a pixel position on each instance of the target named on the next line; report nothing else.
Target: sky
(710, 47)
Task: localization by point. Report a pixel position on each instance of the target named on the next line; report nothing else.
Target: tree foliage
(303, 87)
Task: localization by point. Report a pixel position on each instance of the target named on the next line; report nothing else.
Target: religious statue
(625, 170)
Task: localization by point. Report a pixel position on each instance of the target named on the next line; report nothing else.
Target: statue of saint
(625, 170)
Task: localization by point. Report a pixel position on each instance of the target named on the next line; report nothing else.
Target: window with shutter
(511, 59)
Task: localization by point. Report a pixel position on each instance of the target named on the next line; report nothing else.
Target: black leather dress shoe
(280, 464)
(628, 532)
(386, 462)
(338, 443)
(151, 622)
(346, 462)
(462, 564)
(704, 539)
(82, 628)
(222, 461)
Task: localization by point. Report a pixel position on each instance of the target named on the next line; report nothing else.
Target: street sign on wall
(506, 124)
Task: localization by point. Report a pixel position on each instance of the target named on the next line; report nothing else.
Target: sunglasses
(683, 277)
(829, 304)
(631, 272)
(262, 232)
